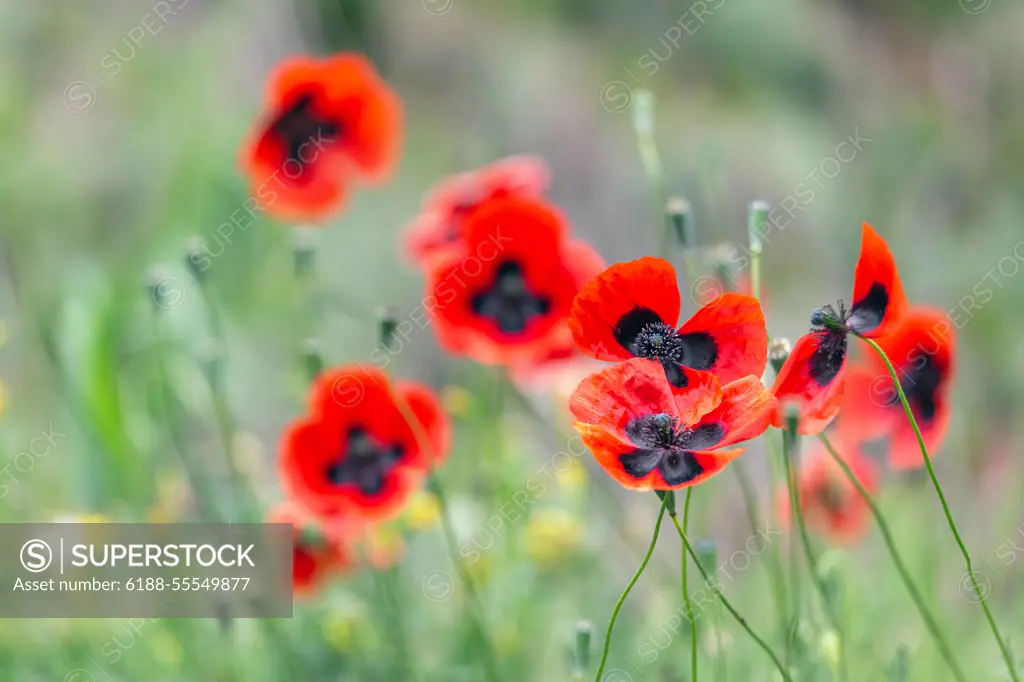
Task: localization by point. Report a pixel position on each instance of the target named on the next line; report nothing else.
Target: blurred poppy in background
(315, 556)
(812, 378)
(327, 123)
(631, 309)
(504, 298)
(923, 351)
(829, 502)
(355, 455)
(650, 435)
(442, 220)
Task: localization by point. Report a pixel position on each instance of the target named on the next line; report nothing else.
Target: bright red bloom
(923, 351)
(442, 221)
(813, 375)
(355, 455)
(505, 297)
(315, 556)
(830, 503)
(631, 309)
(650, 435)
(328, 121)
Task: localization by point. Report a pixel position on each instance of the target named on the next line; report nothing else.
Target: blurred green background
(120, 130)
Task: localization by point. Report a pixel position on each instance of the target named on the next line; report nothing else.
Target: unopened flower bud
(778, 352)
(681, 218)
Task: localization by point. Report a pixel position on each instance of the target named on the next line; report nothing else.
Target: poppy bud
(757, 224)
(194, 255)
(670, 503)
(706, 550)
(792, 412)
(778, 352)
(581, 649)
(681, 218)
(304, 250)
(312, 358)
(386, 325)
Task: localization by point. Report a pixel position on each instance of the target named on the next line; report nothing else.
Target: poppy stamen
(299, 125)
(364, 461)
(662, 445)
(509, 301)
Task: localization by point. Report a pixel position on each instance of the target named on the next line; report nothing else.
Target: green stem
(777, 578)
(794, 565)
(729, 607)
(908, 580)
(789, 447)
(629, 586)
(1007, 657)
(686, 591)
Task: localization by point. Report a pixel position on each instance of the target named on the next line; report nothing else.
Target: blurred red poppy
(830, 503)
(442, 221)
(315, 556)
(327, 122)
(813, 375)
(650, 435)
(355, 455)
(631, 309)
(504, 298)
(923, 351)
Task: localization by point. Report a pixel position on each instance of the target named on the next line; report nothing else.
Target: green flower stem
(789, 448)
(775, 571)
(729, 607)
(908, 580)
(1007, 657)
(686, 591)
(629, 587)
(794, 565)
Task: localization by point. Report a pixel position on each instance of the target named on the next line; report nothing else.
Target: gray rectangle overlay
(139, 570)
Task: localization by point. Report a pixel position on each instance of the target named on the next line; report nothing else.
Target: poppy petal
(611, 309)
(614, 396)
(746, 410)
(813, 379)
(608, 447)
(905, 451)
(701, 465)
(867, 407)
(728, 337)
(423, 403)
(878, 298)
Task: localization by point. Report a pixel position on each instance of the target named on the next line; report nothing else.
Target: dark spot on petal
(704, 437)
(509, 301)
(298, 127)
(364, 462)
(645, 335)
(629, 326)
(675, 374)
(699, 350)
(921, 385)
(867, 313)
(827, 359)
(640, 462)
(680, 466)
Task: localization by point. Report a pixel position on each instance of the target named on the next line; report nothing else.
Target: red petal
(746, 410)
(600, 305)
(736, 323)
(606, 446)
(434, 424)
(867, 412)
(614, 396)
(878, 298)
(712, 462)
(794, 385)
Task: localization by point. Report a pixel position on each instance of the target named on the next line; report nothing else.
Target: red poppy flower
(630, 310)
(443, 218)
(812, 377)
(830, 503)
(923, 350)
(328, 121)
(355, 455)
(315, 556)
(650, 435)
(504, 298)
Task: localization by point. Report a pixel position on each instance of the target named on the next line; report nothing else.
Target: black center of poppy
(867, 313)
(827, 359)
(662, 445)
(363, 461)
(645, 335)
(509, 301)
(299, 125)
(830, 497)
(921, 384)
